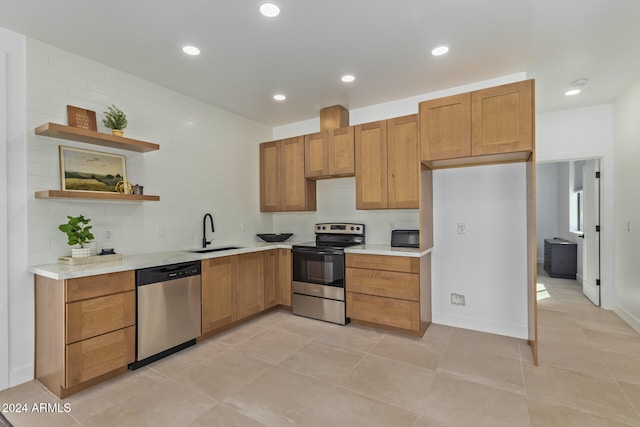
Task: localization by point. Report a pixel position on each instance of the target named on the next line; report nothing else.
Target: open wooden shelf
(55, 130)
(59, 194)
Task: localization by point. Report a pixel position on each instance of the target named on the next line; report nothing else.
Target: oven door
(321, 266)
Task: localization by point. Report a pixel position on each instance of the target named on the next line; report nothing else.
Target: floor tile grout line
(376, 399)
(626, 395)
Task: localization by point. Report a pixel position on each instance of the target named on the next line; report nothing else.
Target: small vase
(80, 252)
(117, 132)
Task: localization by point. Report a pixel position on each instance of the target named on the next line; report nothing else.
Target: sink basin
(207, 250)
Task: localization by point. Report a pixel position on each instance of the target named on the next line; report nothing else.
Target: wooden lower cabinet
(97, 316)
(390, 284)
(99, 355)
(392, 312)
(239, 286)
(250, 292)
(85, 330)
(284, 277)
(270, 278)
(388, 292)
(218, 292)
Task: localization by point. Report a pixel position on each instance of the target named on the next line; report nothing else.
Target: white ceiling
(247, 58)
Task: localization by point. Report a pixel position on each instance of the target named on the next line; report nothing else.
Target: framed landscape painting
(85, 170)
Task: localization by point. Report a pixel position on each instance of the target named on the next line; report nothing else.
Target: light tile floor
(284, 370)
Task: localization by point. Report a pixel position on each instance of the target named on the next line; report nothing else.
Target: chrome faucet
(204, 230)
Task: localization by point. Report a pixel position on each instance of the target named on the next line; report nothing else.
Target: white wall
(487, 264)
(207, 162)
(497, 305)
(585, 133)
(16, 359)
(336, 203)
(553, 205)
(4, 297)
(547, 204)
(627, 204)
(336, 197)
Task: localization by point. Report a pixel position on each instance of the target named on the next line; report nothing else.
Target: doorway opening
(568, 209)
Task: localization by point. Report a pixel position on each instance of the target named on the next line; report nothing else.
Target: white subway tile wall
(336, 203)
(207, 162)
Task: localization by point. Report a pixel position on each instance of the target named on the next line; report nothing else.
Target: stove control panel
(340, 228)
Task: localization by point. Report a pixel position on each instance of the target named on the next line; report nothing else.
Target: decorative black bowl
(274, 237)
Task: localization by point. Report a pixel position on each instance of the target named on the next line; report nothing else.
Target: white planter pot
(80, 252)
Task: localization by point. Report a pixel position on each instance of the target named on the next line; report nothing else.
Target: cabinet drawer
(97, 286)
(384, 283)
(384, 311)
(384, 262)
(97, 316)
(97, 356)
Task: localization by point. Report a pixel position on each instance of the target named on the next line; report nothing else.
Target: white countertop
(386, 250)
(133, 262)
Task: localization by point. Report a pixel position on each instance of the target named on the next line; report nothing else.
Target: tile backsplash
(336, 203)
(207, 162)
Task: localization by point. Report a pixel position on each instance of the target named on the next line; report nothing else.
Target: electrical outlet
(242, 226)
(457, 299)
(108, 235)
(629, 226)
(162, 230)
(462, 228)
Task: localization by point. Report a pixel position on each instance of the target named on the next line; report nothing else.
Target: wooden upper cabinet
(502, 119)
(283, 186)
(494, 125)
(342, 152)
(371, 165)
(403, 152)
(445, 127)
(316, 155)
(270, 177)
(330, 153)
(298, 193)
(387, 164)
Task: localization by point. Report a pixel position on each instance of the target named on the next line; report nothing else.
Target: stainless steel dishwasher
(168, 310)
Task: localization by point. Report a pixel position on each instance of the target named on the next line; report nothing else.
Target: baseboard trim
(21, 375)
(579, 278)
(628, 317)
(490, 327)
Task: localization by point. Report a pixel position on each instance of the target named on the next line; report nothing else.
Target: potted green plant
(78, 233)
(115, 119)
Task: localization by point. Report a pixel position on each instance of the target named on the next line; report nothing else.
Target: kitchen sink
(207, 250)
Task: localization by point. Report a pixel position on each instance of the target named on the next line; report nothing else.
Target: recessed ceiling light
(572, 92)
(348, 78)
(279, 97)
(190, 50)
(440, 50)
(269, 9)
(579, 82)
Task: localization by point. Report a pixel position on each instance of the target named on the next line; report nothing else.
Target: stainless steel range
(318, 272)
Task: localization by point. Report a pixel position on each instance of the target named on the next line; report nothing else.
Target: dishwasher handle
(165, 273)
